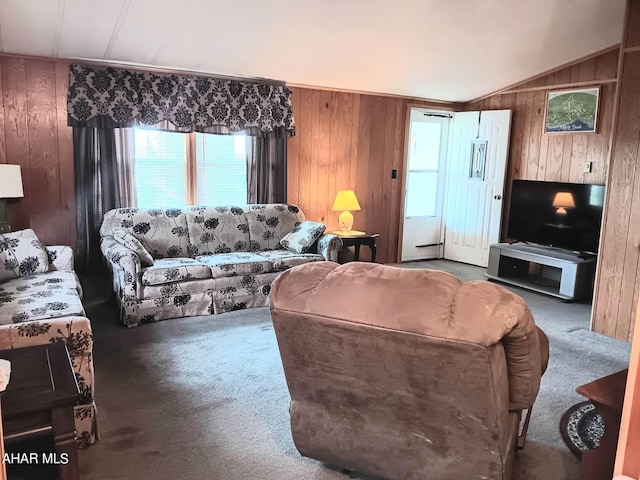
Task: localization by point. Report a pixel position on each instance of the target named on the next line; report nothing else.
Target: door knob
(497, 197)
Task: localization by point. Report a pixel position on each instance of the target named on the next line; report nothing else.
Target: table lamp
(10, 187)
(562, 201)
(346, 200)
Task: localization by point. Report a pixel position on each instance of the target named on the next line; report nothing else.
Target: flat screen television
(564, 215)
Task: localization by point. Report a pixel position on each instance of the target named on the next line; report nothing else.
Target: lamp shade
(563, 200)
(10, 181)
(346, 200)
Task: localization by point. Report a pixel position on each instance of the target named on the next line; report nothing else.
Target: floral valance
(111, 97)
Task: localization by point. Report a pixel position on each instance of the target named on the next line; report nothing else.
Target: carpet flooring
(205, 397)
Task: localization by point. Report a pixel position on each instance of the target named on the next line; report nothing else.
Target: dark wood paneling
(616, 295)
(349, 140)
(14, 92)
(34, 135)
(67, 229)
(633, 25)
(42, 134)
(618, 274)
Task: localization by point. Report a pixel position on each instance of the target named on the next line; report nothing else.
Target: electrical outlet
(587, 167)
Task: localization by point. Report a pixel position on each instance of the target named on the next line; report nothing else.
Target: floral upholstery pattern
(268, 224)
(132, 243)
(217, 230)
(303, 236)
(44, 308)
(76, 333)
(329, 247)
(21, 254)
(163, 233)
(282, 260)
(60, 258)
(234, 264)
(38, 297)
(174, 270)
(249, 257)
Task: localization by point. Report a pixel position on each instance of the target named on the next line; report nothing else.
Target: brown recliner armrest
(544, 350)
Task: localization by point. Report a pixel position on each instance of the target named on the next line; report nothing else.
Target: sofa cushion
(284, 259)
(132, 243)
(303, 235)
(163, 233)
(217, 230)
(233, 264)
(21, 254)
(269, 223)
(39, 297)
(169, 270)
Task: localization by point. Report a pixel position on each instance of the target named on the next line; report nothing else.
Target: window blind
(160, 168)
(221, 169)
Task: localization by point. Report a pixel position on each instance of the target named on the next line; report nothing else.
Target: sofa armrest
(74, 331)
(329, 246)
(126, 264)
(60, 257)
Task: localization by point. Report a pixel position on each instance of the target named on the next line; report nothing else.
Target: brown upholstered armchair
(403, 373)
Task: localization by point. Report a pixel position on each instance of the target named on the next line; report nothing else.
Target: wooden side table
(352, 239)
(40, 398)
(607, 395)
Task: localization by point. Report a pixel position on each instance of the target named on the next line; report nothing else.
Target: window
(175, 169)
(423, 168)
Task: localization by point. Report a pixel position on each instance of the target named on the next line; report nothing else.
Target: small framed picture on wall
(572, 111)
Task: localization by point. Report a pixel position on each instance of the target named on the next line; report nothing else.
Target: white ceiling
(454, 50)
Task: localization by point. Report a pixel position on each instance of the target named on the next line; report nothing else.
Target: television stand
(553, 271)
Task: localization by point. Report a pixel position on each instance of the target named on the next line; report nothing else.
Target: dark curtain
(97, 191)
(266, 170)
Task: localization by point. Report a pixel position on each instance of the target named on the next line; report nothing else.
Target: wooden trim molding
(627, 458)
(440, 104)
(588, 83)
(142, 67)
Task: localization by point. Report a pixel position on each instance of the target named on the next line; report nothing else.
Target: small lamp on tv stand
(345, 201)
(561, 202)
(10, 187)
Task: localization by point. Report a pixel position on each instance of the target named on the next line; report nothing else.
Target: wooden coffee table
(39, 399)
(607, 395)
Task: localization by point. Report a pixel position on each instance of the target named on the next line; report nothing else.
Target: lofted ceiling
(454, 50)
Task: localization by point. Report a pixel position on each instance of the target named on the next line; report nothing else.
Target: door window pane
(422, 188)
(424, 151)
(160, 168)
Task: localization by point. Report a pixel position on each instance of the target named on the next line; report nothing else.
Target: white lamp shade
(10, 181)
(346, 200)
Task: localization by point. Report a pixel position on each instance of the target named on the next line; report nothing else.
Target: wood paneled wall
(535, 155)
(618, 275)
(350, 141)
(34, 134)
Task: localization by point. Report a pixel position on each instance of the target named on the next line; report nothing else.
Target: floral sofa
(202, 260)
(40, 303)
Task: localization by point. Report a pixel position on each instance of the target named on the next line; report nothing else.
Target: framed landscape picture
(572, 111)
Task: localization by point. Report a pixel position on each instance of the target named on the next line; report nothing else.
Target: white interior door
(475, 184)
(424, 185)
